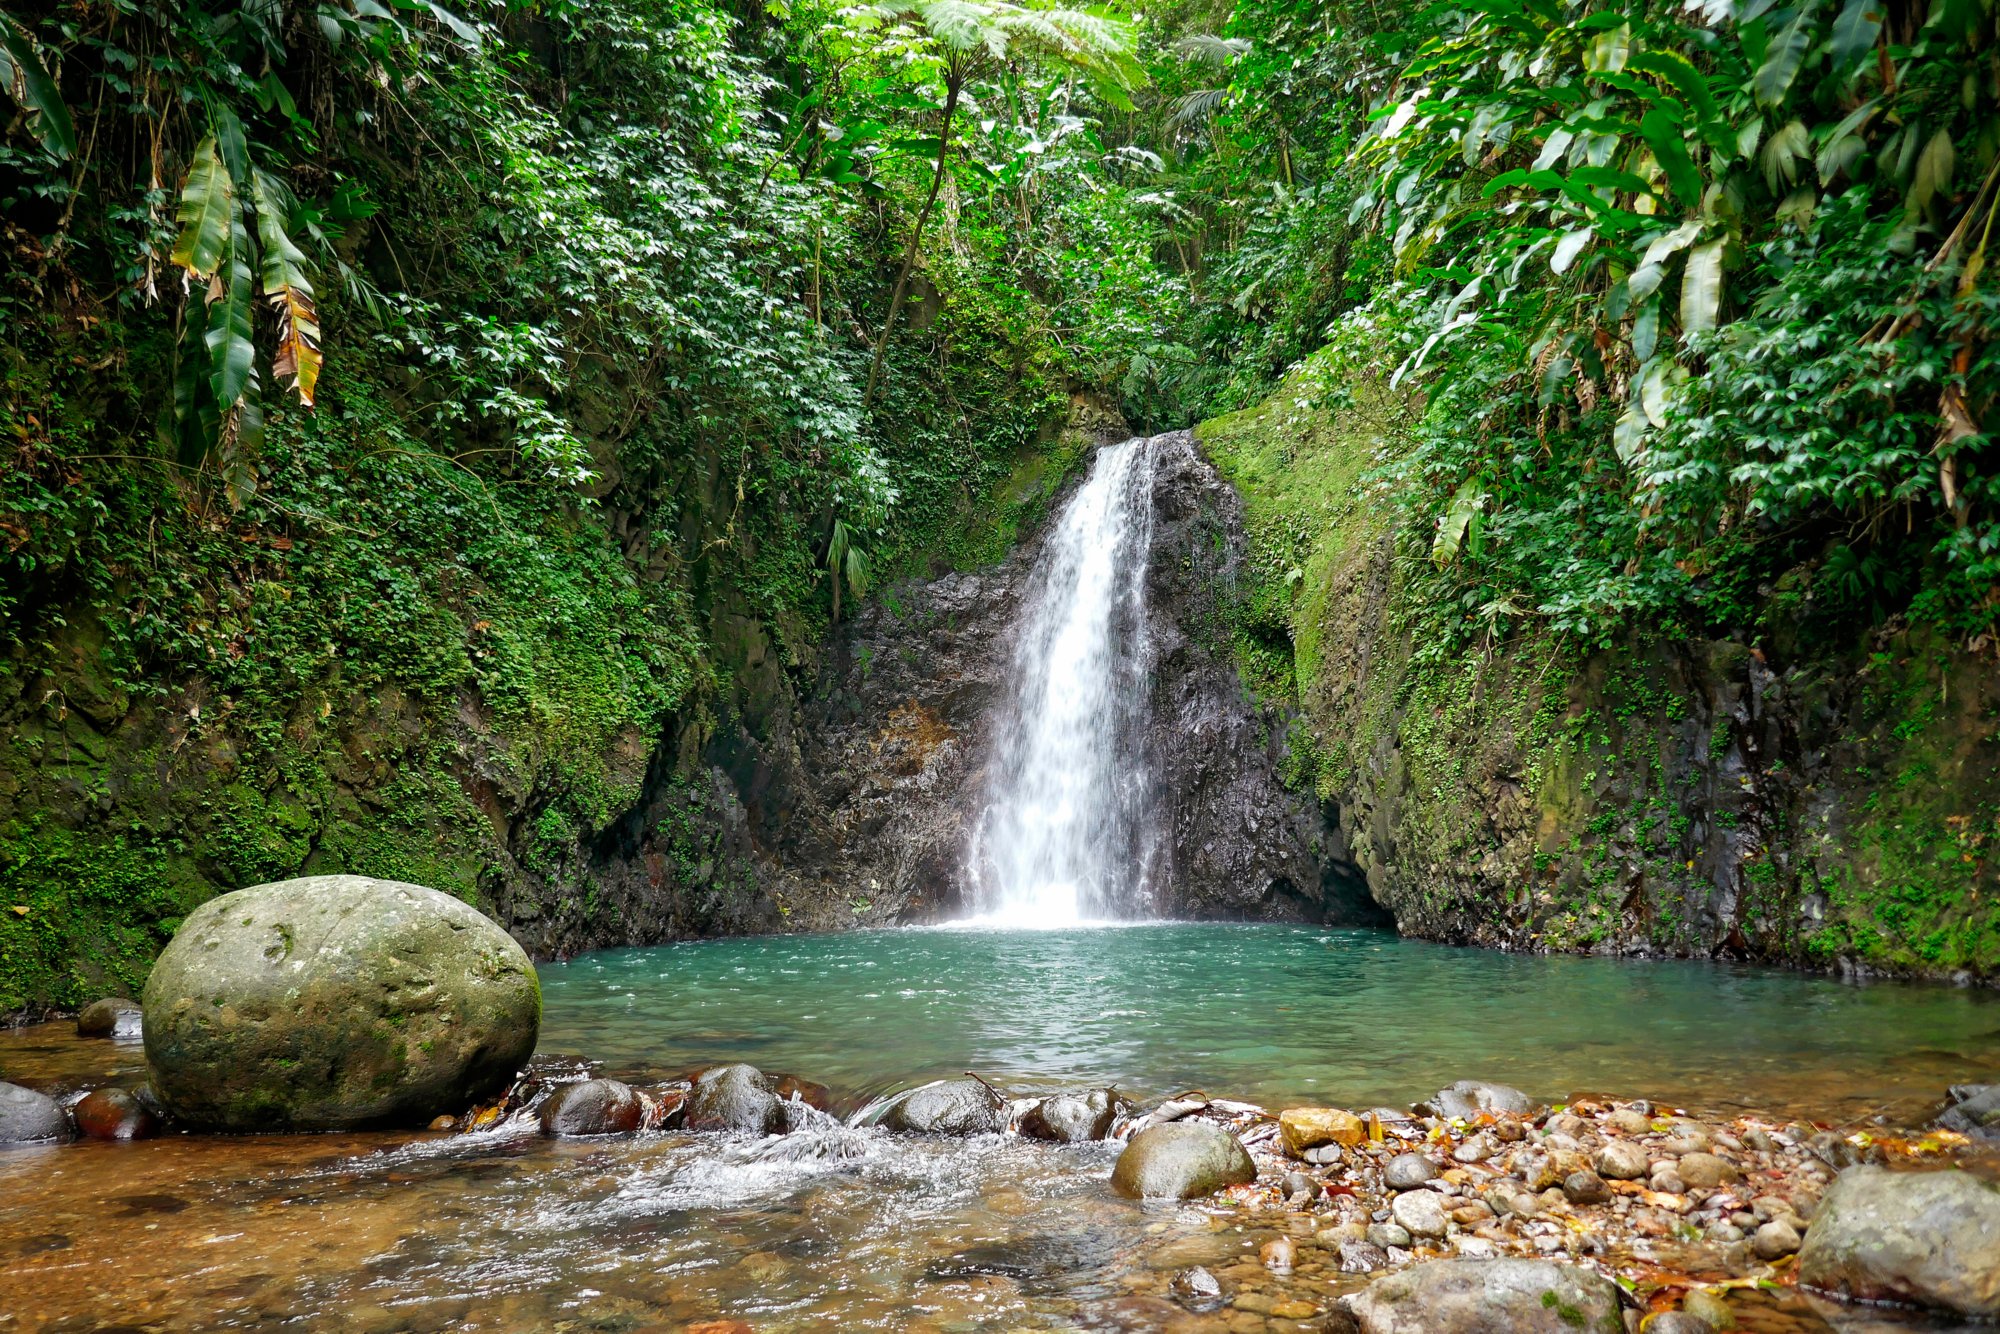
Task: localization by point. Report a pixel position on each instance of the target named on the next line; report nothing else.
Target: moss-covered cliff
(1825, 792)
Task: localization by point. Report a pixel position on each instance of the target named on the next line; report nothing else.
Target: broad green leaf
(1701, 287)
(1679, 72)
(1782, 154)
(1569, 248)
(1646, 330)
(228, 135)
(1607, 52)
(1668, 243)
(29, 84)
(1854, 32)
(1552, 150)
(1934, 169)
(1466, 503)
(231, 351)
(207, 203)
(1604, 178)
(1783, 57)
(1662, 133)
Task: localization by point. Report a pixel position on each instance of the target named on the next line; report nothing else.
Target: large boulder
(1472, 1296)
(1932, 1238)
(735, 1097)
(1180, 1161)
(28, 1117)
(948, 1107)
(336, 1002)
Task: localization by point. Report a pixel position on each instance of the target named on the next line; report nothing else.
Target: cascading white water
(1064, 837)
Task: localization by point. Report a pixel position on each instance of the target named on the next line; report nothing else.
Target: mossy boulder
(334, 1003)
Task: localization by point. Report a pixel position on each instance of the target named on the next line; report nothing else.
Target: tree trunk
(953, 81)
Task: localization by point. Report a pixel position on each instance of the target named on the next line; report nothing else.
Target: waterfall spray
(1065, 837)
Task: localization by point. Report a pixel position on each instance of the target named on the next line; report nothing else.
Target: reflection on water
(1270, 1013)
(843, 1229)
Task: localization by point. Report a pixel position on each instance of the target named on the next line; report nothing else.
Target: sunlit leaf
(208, 204)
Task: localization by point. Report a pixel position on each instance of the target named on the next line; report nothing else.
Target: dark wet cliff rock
(1832, 803)
(858, 805)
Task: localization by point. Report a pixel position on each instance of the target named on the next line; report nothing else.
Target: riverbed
(501, 1229)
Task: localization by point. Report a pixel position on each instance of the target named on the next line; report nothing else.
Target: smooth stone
(1180, 1161)
(1774, 1240)
(1705, 1171)
(1305, 1128)
(28, 1117)
(1388, 1236)
(1072, 1118)
(592, 1107)
(1470, 1097)
(1407, 1171)
(1473, 1296)
(1628, 1122)
(1974, 1111)
(1420, 1213)
(1300, 1184)
(948, 1107)
(1361, 1257)
(1621, 1160)
(1280, 1253)
(1709, 1308)
(111, 1017)
(115, 1114)
(1932, 1238)
(336, 1002)
(1196, 1289)
(1585, 1188)
(734, 1097)
(1675, 1322)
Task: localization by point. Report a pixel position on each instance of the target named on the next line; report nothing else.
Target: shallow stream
(844, 1229)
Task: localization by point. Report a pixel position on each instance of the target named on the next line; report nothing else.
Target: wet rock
(1420, 1213)
(1362, 1257)
(1621, 1160)
(336, 1002)
(1181, 1161)
(1932, 1238)
(1407, 1171)
(1469, 1296)
(112, 1017)
(1301, 1186)
(734, 1097)
(1304, 1128)
(592, 1107)
(1388, 1236)
(1774, 1240)
(1974, 1111)
(1675, 1322)
(1072, 1118)
(790, 1088)
(1585, 1188)
(1709, 1308)
(115, 1114)
(1469, 1097)
(1279, 1253)
(948, 1107)
(1705, 1171)
(1197, 1289)
(28, 1117)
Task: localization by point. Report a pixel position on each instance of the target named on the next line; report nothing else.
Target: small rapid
(1065, 837)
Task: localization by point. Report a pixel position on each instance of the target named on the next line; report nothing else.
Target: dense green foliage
(508, 358)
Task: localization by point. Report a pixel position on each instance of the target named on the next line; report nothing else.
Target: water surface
(1270, 1013)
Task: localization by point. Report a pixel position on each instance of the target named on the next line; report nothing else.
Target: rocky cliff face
(857, 804)
(1830, 803)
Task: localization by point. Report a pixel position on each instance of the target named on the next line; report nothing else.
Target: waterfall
(1064, 836)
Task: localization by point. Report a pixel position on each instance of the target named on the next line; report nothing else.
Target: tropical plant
(957, 41)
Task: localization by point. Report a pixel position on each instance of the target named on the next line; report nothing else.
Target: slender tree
(969, 39)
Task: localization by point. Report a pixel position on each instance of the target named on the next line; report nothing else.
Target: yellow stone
(1309, 1127)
